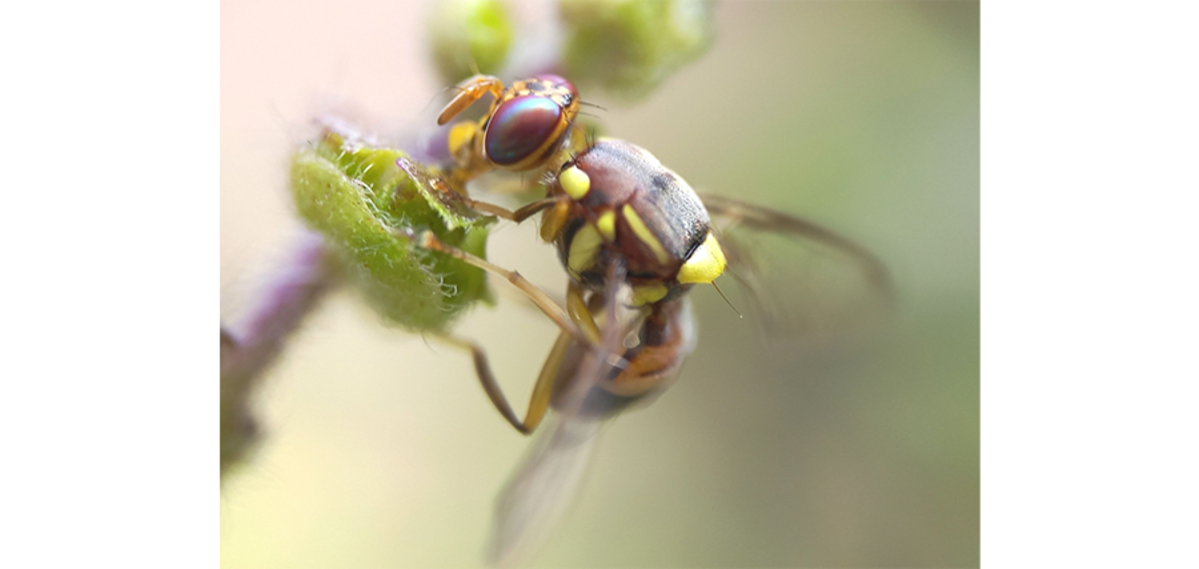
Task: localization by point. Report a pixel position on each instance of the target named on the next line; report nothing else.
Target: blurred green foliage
(469, 36)
(624, 47)
(629, 47)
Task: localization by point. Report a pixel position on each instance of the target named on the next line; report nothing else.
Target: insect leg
(576, 306)
(540, 400)
(426, 240)
(522, 213)
(469, 91)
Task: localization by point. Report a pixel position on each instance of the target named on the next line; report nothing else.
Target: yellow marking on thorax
(705, 264)
(606, 223)
(643, 233)
(461, 135)
(575, 182)
(649, 294)
(584, 248)
(554, 220)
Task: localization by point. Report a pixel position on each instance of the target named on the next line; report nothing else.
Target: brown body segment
(659, 220)
(666, 337)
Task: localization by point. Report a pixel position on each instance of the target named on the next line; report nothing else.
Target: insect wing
(548, 479)
(803, 281)
(541, 492)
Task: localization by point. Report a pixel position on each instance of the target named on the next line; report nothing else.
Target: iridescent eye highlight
(520, 127)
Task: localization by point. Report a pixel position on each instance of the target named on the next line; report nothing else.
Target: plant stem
(246, 352)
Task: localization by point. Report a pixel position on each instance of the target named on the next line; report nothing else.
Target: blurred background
(382, 450)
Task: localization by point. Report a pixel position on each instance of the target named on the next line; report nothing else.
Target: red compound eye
(520, 127)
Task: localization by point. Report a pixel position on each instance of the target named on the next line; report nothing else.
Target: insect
(528, 127)
(635, 239)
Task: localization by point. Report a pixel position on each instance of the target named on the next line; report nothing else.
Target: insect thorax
(626, 206)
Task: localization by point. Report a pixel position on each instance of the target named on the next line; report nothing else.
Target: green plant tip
(628, 46)
(469, 36)
(363, 203)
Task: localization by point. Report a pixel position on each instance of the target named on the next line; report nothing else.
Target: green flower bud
(365, 205)
(630, 46)
(469, 33)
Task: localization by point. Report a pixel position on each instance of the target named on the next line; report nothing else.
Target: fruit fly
(528, 127)
(634, 239)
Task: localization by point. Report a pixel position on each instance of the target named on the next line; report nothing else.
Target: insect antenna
(587, 138)
(587, 104)
(727, 301)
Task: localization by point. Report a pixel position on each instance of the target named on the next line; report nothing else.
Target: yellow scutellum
(705, 264)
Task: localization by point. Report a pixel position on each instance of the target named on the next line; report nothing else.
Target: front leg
(469, 91)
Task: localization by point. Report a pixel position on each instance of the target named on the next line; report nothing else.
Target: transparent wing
(535, 500)
(801, 280)
(545, 484)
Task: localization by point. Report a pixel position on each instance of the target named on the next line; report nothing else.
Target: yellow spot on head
(648, 294)
(704, 265)
(461, 135)
(575, 182)
(643, 233)
(583, 249)
(607, 225)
